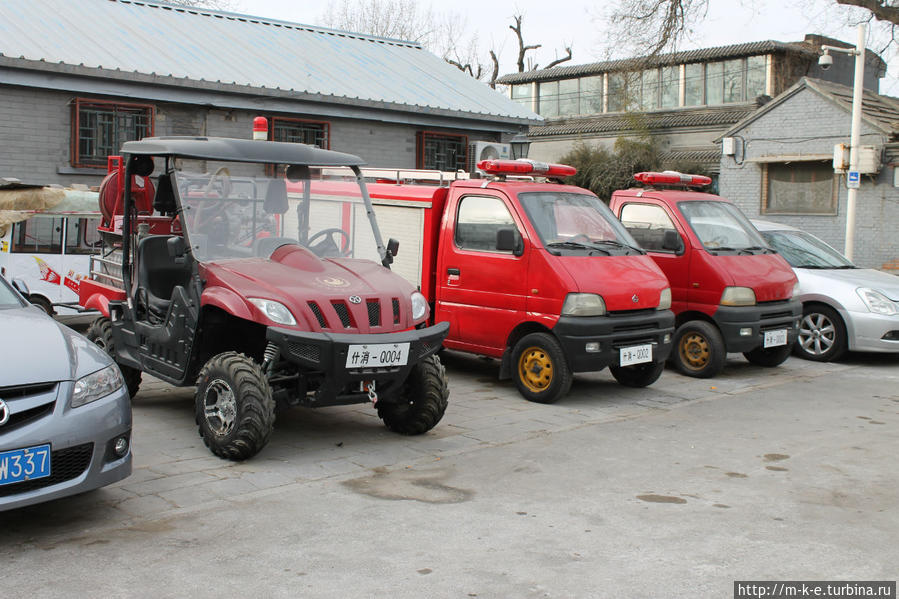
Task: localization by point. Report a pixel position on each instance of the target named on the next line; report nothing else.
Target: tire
(234, 408)
(422, 401)
(822, 334)
(769, 356)
(42, 303)
(541, 372)
(100, 332)
(698, 350)
(638, 375)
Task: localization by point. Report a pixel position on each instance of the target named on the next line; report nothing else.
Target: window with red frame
(101, 127)
(440, 151)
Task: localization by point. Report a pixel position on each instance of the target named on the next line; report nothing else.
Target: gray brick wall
(810, 124)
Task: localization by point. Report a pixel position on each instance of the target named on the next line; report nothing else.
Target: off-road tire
(638, 375)
(769, 357)
(698, 350)
(422, 400)
(100, 332)
(831, 332)
(239, 421)
(540, 370)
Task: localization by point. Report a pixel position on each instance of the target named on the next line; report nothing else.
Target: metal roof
(121, 39)
(613, 123)
(242, 150)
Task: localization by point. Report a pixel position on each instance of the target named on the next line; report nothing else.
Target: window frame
(765, 194)
(456, 241)
(421, 138)
(325, 125)
(77, 161)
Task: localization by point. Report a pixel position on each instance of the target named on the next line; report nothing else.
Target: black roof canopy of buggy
(239, 150)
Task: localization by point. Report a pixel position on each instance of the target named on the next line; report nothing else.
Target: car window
(478, 221)
(720, 225)
(647, 224)
(803, 250)
(8, 298)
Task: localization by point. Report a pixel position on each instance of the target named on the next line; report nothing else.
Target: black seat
(164, 201)
(158, 274)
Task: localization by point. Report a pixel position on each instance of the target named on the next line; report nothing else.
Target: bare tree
(524, 48)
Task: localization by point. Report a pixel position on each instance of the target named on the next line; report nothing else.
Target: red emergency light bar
(523, 166)
(260, 128)
(672, 178)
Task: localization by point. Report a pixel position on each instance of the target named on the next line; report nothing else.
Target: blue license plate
(24, 464)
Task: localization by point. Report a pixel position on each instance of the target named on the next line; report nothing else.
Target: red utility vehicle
(535, 273)
(731, 292)
(242, 273)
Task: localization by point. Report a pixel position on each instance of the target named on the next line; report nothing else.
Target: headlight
(99, 384)
(665, 299)
(876, 301)
(583, 304)
(795, 291)
(419, 306)
(738, 296)
(276, 311)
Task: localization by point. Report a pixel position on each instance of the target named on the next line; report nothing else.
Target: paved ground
(675, 490)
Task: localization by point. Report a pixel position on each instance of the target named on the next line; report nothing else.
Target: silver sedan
(844, 307)
(65, 415)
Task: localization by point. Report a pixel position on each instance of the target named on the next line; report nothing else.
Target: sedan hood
(37, 349)
(821, 279)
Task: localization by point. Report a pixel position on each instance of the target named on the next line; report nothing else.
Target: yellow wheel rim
(535, 369)
(694, 351)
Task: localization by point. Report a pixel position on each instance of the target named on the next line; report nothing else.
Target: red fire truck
(731, 292)
(535, 273)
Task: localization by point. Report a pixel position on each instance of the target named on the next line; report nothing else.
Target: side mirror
(393, 246)
(672, 242)
(509, 240)
(21, 287)
(176, 247)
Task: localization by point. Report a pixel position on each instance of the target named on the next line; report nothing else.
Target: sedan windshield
(803, 250)
(578, 223)
(721, 227)
(228, 216)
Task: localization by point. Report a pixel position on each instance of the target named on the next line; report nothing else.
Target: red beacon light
(523, 166)
(672, 178)
(260, 128)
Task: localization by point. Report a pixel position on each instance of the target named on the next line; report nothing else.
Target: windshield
(228, 215)
(721, 226)
(8, 298)
(576, 221)
(802, 250)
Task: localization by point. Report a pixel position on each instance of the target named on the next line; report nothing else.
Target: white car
(844, 307)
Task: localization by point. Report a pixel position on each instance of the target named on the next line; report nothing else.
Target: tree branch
(559, 60)
(883, 10)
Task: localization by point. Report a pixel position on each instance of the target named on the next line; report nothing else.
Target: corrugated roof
(687, 56)
(652, 120)
(125, 37)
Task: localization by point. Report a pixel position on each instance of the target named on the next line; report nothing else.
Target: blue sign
(852, 180)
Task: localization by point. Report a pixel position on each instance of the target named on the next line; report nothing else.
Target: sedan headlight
(876, 301)
(419, 306)
(583, 304)
(795, 291)
(97, 385)
(275, 311)
(738, 296)
(665, 299)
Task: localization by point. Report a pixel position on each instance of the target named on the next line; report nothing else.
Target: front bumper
(873, 332)
(326, 354)
(613, 332)
(755, 321)
(80, 443)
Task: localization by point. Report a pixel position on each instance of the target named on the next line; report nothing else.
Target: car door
(481, 290)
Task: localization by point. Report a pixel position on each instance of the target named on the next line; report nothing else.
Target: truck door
(481, 290)
(649, 223)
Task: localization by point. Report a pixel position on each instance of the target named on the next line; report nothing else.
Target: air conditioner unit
(486, 150)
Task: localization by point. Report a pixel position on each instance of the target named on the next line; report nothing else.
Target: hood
(297, 278)
(768, 275)
(48, 352)
(618, 279)
(814, 280)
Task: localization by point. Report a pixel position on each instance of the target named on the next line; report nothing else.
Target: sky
(561, 23)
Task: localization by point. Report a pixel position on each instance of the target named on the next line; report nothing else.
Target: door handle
(453, 271)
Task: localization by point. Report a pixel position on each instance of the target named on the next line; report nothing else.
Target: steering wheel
(715, 242)
(580, 238)
(329, 247)
(208, 211)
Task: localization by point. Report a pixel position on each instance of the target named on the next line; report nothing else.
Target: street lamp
(852, 178)
(519, 144)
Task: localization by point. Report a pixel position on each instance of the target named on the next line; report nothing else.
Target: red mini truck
(730, 291)
(537, 274)
(218, 276)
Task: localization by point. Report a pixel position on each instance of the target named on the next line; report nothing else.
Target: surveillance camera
(825, 61)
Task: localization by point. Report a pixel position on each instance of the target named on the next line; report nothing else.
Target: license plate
(377, 355)
(775, 338)
(636, 354)
(24, 464)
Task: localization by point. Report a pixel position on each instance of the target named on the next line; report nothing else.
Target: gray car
(844, 307)
(65, 415)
